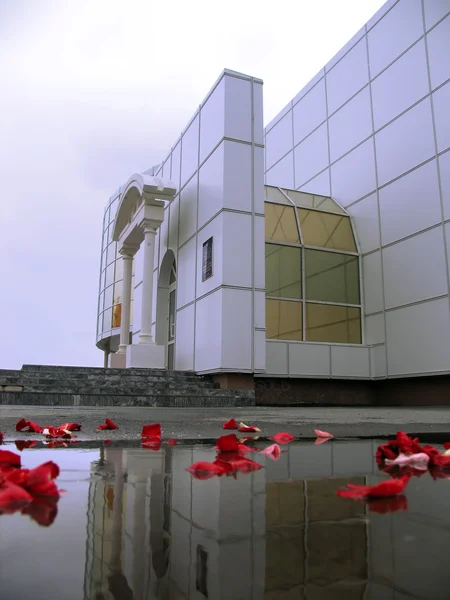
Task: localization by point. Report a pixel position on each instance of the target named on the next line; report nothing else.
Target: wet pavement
(196, 423)
(133, 524)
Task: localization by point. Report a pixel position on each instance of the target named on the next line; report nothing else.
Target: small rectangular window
(207, 263)
(201, 576)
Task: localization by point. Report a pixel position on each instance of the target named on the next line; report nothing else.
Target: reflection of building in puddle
(316, 545)
(281, 533)
(128, 531)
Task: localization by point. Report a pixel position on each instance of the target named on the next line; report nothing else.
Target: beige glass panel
(326, 230)
(331, 277)
(334, 324)
(283, 320)
(116, 316)
(327, 203)
(281, 224)
(99, 324)
(273, 194)
(301, 198)
(283, 271)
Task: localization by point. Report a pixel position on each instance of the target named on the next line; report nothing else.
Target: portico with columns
(139, 216)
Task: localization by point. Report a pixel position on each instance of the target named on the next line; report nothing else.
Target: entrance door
(171, 319)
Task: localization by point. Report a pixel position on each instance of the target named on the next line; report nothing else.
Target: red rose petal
(205, 470)
(13, 497)
(152, 443)
(28, 426)
(9, 459)
(56, 432)
(244, 465)
(22, 444)
(323, 434)
(273, 451)
(42, 510)
(243, 449)
(153, 430)
(385, 489)
(248, 428)
(107, 425)
(282, 438)
(231, 424)
(227, 443)
(71, 426)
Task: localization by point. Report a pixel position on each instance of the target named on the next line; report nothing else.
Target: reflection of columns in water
(129, 525)
(115, 457)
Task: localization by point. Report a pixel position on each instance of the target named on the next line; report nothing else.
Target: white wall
(217, 166)
(372, 130)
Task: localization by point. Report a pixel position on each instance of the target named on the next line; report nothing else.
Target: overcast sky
(95, 90)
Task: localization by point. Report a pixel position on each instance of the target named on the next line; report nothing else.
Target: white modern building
(314, 248)
(153, 531)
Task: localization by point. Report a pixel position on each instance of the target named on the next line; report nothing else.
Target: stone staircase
(86, 386)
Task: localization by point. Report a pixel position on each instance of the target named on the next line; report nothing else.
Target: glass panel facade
(273, 194)
(328, 323)
(281, 225)
(109, 296)
(118, 286)
(113, 209)
(117, 315)
(109, 274)
(119, 268)
(312, 269)
(283, 320)
(326, 230)
(283, 271)
(106, 219)
(331, 277)
(111, 253)
(107, 315)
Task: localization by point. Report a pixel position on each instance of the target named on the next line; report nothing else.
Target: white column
(126, 302)
(145, 336)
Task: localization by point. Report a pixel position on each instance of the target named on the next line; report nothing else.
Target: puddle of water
(135, 525)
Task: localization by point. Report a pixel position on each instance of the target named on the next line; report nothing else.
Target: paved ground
(206, 424)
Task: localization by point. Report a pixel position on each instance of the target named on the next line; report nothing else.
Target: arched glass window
(312, 269)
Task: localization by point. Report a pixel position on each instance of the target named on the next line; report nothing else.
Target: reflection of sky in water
(45, 563)
(141, 528)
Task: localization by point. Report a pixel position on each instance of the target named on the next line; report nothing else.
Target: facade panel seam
(435, 140)
(377, 182)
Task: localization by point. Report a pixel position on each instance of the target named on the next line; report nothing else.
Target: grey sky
(93, 91)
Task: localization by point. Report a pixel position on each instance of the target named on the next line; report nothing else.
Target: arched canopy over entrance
(139, 215)
(140, 189)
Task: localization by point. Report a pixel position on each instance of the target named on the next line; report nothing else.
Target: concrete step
(226, 399)
(36, 383)
(101, 371)
(152, 391)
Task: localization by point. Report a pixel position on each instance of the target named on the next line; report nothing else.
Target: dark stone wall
(414, 391)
